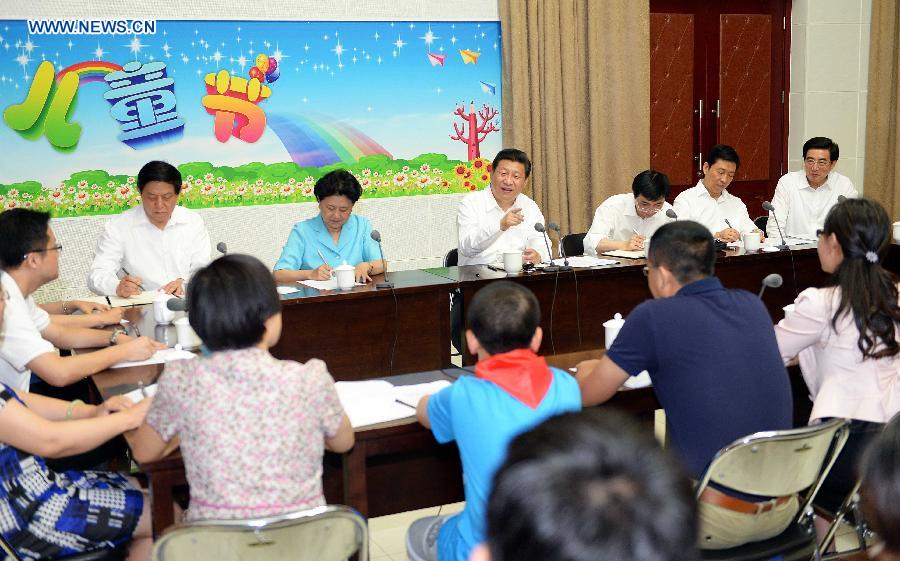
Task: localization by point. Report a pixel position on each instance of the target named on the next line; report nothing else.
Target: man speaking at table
(716, 369)
(156, 245)
(501, 218)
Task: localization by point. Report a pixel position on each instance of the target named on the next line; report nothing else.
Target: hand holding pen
(129, 285)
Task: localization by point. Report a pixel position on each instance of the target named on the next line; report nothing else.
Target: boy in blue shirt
(512, 390)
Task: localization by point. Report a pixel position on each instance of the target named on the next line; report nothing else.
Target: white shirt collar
(823, 187)
(140, 218)
(703, 192)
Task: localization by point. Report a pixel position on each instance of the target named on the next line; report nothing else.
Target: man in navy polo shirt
(714, 362)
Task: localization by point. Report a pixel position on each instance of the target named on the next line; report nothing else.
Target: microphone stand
(386, 283)
(551, 268)
(562, 250)
(780, 233)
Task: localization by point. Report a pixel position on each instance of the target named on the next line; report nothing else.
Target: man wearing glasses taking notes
(803, 198)
(155, 245)
(29, 255)
(625, 221)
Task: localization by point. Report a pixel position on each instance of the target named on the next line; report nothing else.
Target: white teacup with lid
(345, 276)
(612, 327)
(161, 313)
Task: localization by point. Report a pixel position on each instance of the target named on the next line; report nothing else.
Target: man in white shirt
(803, 198)
(710, 204)
(500, 218)
(625, 221)
(156, 245)
(29, 255)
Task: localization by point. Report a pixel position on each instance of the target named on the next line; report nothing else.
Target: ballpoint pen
(127, 274)
(143, 389)
(322, 257)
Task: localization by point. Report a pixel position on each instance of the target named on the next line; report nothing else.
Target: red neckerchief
(521, 372)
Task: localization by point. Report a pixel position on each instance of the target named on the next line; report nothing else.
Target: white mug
(161, 313)
(752, 241)
(512, 261)
(897, 232)
(345, 276)
(186, 335)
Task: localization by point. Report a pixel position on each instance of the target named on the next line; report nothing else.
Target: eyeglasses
(57, 247)
(812, 162)
(646, 270)
(820, 232)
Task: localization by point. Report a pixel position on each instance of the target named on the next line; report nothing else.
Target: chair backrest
(327, 533)
(761, 222)
(452, 258)
(573, 244)
(778, 463)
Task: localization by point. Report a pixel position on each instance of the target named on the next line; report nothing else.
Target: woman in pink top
(252, 428)
(846, 335)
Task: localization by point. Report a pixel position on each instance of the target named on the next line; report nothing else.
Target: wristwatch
(115, 336)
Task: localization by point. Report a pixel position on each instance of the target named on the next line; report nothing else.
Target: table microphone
(767, 205)
(562, 250)
(177, 304)
(771, 281)
(671, 214)
(222, 248)
(386, 284)
(551, 268)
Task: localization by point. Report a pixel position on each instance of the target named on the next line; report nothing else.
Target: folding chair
(849, 506)
(573, 244)
(325, 533)
(775, 464)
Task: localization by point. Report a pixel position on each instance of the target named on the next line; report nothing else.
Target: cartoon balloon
(273, 74)
(255, 72)
(273, 66)
(262, 62)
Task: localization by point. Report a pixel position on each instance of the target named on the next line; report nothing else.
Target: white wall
(829, 76)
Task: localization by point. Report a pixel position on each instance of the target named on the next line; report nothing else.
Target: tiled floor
(387, 534)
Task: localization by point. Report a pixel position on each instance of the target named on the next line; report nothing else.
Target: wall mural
(250, 112)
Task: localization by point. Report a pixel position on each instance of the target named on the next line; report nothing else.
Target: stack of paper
(377, 401)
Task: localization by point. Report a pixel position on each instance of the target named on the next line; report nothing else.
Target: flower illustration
(424, 168)
(81, 197)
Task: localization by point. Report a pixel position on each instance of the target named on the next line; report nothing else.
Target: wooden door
(718, 76)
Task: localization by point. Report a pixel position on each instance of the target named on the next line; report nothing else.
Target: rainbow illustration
(90, 70)
(321, 141)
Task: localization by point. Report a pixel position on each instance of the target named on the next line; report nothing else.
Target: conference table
(404, 333)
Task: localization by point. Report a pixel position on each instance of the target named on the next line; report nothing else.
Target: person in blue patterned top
(54, 514)
(333, 237)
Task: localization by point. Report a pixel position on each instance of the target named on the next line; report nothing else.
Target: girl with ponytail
(846, 335)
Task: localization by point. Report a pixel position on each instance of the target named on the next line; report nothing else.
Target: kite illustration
(436, 59)
(469, 56)
(488, 87)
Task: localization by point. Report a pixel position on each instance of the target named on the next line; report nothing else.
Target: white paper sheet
(330, 284)
(376, 401)
(137, 395)
(625, 253)
(159, 357)
(287, 289)
(585, 261)
(642, 380)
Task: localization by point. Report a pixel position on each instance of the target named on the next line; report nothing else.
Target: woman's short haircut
(21, 231)
(723, 152)
(587, 486)
(338, 182)
(159, 171)
(653, 185)
(513, 155)
(229, 301)
(685, 248)
(880, 490)
(503, 317)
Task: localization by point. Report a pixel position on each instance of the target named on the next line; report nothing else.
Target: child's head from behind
(503, 317)
(232, 304)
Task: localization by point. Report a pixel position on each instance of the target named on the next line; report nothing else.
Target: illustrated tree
(471, 133)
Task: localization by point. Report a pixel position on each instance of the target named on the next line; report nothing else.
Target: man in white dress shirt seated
(709, 202)
(155, 245)
(29, 255)
(500, 218)
(803, 198)
(626, 221)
